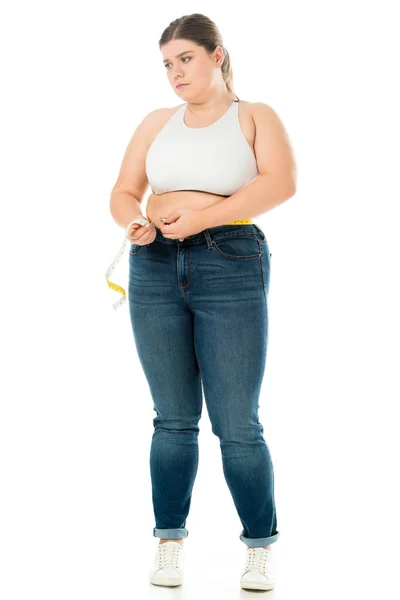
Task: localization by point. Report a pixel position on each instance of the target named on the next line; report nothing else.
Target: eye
(183, 58)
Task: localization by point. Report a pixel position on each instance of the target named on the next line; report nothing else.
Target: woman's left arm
(276, 165)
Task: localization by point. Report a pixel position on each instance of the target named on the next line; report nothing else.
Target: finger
(147, 233)
(142, 230)
(132, 231)
(137, 238)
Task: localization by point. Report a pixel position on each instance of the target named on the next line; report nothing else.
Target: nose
(177, 74)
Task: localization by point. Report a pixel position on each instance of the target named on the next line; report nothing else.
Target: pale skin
(207, 99)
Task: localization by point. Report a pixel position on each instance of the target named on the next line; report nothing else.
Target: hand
(140, 234)
(182, 222)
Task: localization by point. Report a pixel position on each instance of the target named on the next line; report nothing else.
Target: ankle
(163, 541)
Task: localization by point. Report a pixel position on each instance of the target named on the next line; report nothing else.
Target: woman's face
(194, 67)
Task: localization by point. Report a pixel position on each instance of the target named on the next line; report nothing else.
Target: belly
(161, 205)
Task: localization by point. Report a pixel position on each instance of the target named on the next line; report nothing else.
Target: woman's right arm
(131, 184)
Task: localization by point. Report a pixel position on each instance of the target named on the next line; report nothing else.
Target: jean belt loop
(208, 238)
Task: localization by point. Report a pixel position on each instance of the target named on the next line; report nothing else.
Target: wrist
(140, 219)
(206, 216)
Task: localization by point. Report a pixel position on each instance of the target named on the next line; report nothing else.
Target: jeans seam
(262, 272)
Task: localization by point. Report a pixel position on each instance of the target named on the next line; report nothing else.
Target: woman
(198, 285)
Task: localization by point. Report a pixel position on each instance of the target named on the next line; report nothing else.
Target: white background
(76, 515)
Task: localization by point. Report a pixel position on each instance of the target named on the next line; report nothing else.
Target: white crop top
(215, 159)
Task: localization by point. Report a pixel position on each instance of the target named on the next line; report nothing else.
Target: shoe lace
(257, 560)
(168, 554)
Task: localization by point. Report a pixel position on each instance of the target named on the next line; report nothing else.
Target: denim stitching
(263, 275)
(254, 236)
(138, 252)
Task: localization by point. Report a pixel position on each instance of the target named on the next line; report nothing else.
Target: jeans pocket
(136, 249)
(240, 247)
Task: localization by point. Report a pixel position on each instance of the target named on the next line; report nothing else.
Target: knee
(179, 426)
(238, 433)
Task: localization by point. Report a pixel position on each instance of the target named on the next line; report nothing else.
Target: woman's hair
(200, 29)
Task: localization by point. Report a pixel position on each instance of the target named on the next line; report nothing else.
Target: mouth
(181, 85)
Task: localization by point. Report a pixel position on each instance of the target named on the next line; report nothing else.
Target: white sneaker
(258, 574)
(167, 567)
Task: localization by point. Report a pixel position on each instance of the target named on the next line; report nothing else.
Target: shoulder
(155, 120)
(264, 115)
(161, 114)
(246, 107)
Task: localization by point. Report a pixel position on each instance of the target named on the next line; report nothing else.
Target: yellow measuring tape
(111, 268)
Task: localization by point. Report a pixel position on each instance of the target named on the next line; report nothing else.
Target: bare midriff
(161, 205)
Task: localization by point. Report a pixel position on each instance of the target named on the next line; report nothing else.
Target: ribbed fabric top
(215, 159)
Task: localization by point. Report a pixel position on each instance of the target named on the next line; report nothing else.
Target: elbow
(291, 187)
(290, 191)
(111, 205)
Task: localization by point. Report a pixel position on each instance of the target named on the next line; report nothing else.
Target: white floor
(302, 572)
(208, 568)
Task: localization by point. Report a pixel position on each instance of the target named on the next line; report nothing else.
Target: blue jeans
(199, 316)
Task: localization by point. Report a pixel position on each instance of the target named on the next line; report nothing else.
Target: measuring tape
(143, 221)
(111, 268)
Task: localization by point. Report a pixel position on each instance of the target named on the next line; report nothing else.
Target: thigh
(229, 301)
(162, 326)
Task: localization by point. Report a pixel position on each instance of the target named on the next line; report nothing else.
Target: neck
(211, 106)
